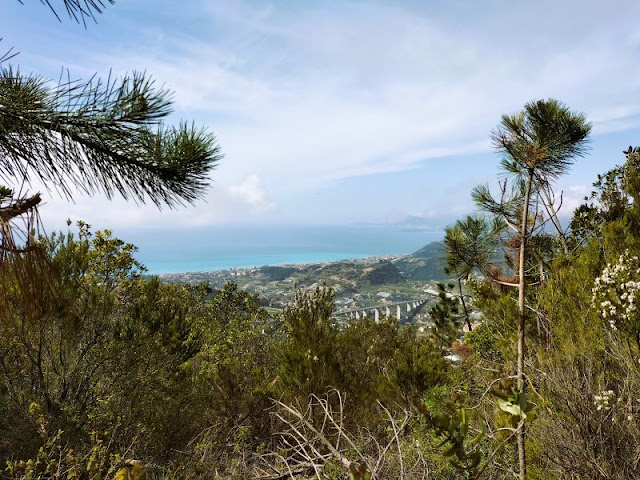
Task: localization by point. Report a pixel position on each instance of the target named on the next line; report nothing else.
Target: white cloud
(304, 94)
(363, 88)
(572, 197)
(253, 193)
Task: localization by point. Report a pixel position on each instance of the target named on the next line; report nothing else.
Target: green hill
(432, 251)
(384, 273)
(426, 263)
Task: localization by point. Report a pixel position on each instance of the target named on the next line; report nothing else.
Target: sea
(221, 248)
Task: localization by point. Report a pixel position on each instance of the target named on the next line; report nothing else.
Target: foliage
(446, 317)
(108, 348)
(471, 244)
(615, 294)
(450, 424)
(611, 211)
(309, 364)
(368, 361)
(484, 343)
(55, 460)
(385, 272)
(105, 372)
(79, 10)
(420, 365)
(98, 136)
(95, 136)
(590, 369)
(277, 273)
(539, 145)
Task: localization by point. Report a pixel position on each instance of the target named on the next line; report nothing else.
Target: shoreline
(244, 271)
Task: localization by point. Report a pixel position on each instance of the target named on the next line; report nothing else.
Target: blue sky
(336, 112)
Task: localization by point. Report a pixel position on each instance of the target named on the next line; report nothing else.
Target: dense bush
(101, 365)
(107, 357)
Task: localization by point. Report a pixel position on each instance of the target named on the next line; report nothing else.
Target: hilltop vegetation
(108, 373)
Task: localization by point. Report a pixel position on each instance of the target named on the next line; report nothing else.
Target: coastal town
(390, 283)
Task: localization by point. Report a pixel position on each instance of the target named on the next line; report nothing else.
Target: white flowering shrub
(616, 293)
(607, 401)
(604, 400)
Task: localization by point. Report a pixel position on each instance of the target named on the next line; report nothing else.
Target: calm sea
(220, 248)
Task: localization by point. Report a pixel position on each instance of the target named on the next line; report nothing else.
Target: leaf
(122, 474)
(525, 406)
(511, 408)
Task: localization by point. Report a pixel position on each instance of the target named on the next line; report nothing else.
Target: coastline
(217, 249)
(358, 282)
(247, 271)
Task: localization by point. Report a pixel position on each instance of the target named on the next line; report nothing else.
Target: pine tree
(96, 136)
(471, 244)
(539, 145)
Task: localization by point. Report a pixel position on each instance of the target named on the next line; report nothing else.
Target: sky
(341, 112)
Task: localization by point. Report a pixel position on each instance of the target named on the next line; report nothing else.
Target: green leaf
(511, 408)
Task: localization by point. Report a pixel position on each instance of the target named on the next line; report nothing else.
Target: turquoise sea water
(219, 248)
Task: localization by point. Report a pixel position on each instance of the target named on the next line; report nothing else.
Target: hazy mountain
(416, 223)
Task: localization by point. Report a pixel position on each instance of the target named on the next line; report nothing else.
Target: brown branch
(19, 207)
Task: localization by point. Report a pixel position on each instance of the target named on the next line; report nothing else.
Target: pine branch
(8, 55)
(78, 10)
(101, 136)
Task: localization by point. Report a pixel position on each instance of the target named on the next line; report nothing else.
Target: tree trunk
(524, 236)
(464, 305)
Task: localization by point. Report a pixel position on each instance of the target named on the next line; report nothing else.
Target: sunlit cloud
(303, 96)
(571, 198)
(253, 193)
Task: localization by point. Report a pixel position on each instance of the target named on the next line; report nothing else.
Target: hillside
(357, 282)
(107, 373)
(426, 263)
(433, 251)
